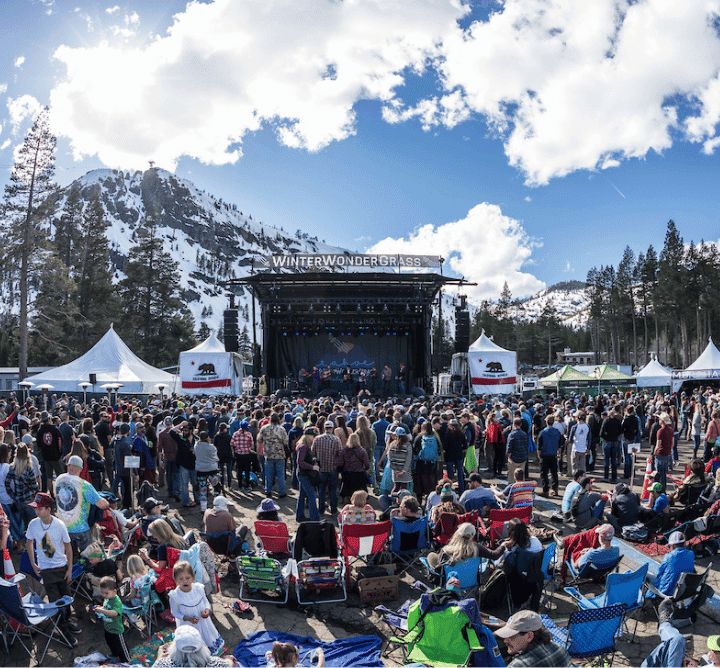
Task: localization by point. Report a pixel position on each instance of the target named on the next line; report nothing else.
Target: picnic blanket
(145, 653)
(357, 651)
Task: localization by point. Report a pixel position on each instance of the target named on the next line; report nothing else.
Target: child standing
(189, 605)
(111, 612)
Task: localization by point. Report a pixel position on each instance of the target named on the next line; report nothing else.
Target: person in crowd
(207, 467)
(51, 558)
(222, 443)
(111, 613)
(306, 469)
(461, 547)
(529, 643)
(610, 433)
(244, 448)
(426, 455)
(326, 449)
(630, 433)
(400, 456)
(663, 448)
(476, 492)
(712, 434)
(579, 439)
(506, 495)
(267, 511)
(358, 511)
(141, 448)
(409, 509)
(21, 485)
(624, 508)
(368, 441)
(454, 446)
(274, 439)
(671, 650)
(188, 649)
(657, 503)
(286, 655)
(14, 520)
(548, 442)
(352, 463)
(605, 552)
(122, 449)
(517, 448)
(435, 497)
(588, 506)
(97, 565)
(679, 560)
(572, 488)
(185, 460)
(696, 476)
(167, 452)
(447, 505)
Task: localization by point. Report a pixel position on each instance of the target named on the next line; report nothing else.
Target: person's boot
(665, 611)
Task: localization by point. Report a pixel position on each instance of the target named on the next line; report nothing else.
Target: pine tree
(156, 324)
(68, 227)
(31, 184)
(97, 296)
(672, 292)
(245, 344)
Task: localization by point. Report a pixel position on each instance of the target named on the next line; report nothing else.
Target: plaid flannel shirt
(326, 449)
(242, 442)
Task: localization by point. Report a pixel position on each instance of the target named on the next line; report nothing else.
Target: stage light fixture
(386, 309)
(289, 308)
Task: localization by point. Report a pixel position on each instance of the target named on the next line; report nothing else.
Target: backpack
(428, 448)
(494, 592)
(636, 533)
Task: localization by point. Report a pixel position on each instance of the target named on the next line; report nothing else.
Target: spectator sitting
(530, 642)
(409, 509)
(671, 650)
(462, 546)
(507, 494)
(188, 649)
(153, 511)
(96, 565)
(267, 511)
(713, 644)
(695, 477)
(657, 503)
(605, 552)
(714, 463)
(477, 493)
(447, 505)
(625, 507)
(572, 488)
(679, 560)
(713, 497)
(358, 511)
(286, 655)
(587, 507)
(434, 497)
(712, 491)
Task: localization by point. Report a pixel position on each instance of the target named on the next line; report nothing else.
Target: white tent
(208, 369)
(709, 360)
(112, 362)
(493, 370)
(654, 374)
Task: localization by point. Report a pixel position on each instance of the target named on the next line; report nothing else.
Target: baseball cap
(42, 501)
(109, 497)
(220, 502)
(44, 416)
(75, 461)
(605, 531)
(28, 439)
(400, 430)
(188, 639)
(167, 420)
(584, 481)
(329, 423)
(520, 622)
(466, 530)
(657, 487)
(713, 643)
(151, 503)
(244, 424)
(676, 538)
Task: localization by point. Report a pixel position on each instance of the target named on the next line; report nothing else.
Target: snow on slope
(570, 306)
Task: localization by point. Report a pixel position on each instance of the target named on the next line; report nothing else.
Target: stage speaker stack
(462, 331)
(230, 330)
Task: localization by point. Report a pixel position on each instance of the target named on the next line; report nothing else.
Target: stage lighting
(310, 308)
(386, 309)
(338, 309)
(297, 333)
(289, 308)
(359, 308)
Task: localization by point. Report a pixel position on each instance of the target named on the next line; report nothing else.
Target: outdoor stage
(333, 321)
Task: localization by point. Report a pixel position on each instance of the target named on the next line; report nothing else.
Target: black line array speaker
(230, 330)
(462, 331)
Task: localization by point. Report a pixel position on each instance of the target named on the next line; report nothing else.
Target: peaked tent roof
(565, 374)
(653, 369)
(485, 343)
(210, 345)
(710, 358)
(606, 372)
(112, 362)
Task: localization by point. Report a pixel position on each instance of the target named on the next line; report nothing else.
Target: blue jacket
(549, 441)
(673, 565)
(517, 446)
(380, 427)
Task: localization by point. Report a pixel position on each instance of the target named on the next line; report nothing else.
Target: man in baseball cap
(327, 447)
(530, 642)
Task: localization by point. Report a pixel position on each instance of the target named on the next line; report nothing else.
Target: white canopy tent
(208, 369)
(111, 361)
(705, 367)
(654, 374)
(492, 369)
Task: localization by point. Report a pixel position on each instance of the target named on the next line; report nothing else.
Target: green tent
(567, 375)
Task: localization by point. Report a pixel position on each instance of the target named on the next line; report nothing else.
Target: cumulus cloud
(565, 85)
(21, 107)
(226, 68)
(19, 61)
(486, 247)
(112, 10)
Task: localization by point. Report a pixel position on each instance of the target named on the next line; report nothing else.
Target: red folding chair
(273, 539)
(447, 524)
(497, 520)
(361, 542)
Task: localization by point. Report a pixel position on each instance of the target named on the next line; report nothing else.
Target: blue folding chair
(467, 572)
(548, 570)
(410, 541)
(621, 588)
(589, 633)
(596, 568)
(480, 503)
(26, 615)
(78, 584)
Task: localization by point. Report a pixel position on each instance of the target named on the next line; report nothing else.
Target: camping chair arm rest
(575, 594)
(60, 604)
(413, 634)
(424, 562)
(650, 587)
(473, 640)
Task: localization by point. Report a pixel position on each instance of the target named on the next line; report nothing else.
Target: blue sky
(527, 141)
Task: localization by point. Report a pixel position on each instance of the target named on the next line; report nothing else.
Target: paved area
(331, 621)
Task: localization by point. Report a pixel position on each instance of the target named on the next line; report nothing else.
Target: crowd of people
(68, 493)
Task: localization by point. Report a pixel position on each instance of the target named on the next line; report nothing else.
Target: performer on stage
(401, 379)
(386, 380)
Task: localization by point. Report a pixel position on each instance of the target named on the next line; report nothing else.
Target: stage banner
(206, 371)
(493, 371)
(346, 261)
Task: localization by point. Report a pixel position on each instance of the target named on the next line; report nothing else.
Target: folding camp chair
(495, 528)
(362, 542)
(620, 589)
(147, 610)
(28, 614)
(467, 572)
(589, 633)
(273, 539)
(447, 524)
(79, 586)
(691, 591)
(262, 574)
(479, 504)
(409, 541)
(547, 569)
(595, 569)
(319, 576)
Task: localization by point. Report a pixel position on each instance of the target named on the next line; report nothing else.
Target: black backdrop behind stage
(337, 351)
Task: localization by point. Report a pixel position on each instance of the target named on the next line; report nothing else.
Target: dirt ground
(331, 621)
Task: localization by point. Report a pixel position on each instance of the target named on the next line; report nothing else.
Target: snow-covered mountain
(567, 300)
(211, 240)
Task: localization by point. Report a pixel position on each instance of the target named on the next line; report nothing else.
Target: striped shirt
(242, 442)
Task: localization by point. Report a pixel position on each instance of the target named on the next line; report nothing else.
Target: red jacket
(6, 423)
(575, 543)
(494, 434)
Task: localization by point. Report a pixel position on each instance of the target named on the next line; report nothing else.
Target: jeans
(401, 387)
(307, 491)
(676, 456)
(379, 450)
(226, 467)
(16, 529)
(662, 463)
(171, 478)
(610, 453)
(274, 468)
(451, 466)
(328, 480)
(696, 438)
(295, 483)
(670, 651)
(684, 425)
(244, 466)
(186, 477)
(261, 462)
(592, 454)
(627, 473)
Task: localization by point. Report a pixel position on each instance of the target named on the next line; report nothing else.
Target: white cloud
(565, 85)
(5, 144)
(528, 198)
(22, 107)
(3, 88)
(112, 10)
(486, 247)
(19, 61)
(226, 68)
